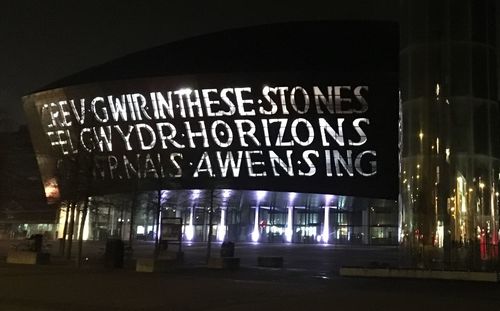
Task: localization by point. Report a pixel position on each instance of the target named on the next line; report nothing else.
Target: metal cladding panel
(316, 130)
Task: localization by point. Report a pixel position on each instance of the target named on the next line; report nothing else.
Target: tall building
(450, 139)
(451, 144)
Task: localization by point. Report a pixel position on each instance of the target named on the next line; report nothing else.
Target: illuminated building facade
(451, 142)
(449, 168)
(244, 134)
(277, 217)
(250, 216)
(287, 217)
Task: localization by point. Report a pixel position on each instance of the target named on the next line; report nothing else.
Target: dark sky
(42, 41)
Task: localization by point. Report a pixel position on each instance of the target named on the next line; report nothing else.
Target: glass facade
(450, 167)
(258, 216)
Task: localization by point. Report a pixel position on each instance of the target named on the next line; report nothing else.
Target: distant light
(291, 196)
(319, 238)
(481, 185)
(421, 135)
(141, 230)
(52, 189)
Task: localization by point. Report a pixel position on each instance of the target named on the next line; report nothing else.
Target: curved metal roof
(297, 46)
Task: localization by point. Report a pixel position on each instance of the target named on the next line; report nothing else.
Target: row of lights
(255, 235)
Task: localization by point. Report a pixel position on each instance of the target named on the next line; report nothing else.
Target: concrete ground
(313, 257)
(308, 281)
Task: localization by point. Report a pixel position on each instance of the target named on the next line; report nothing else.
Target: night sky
(42, 41)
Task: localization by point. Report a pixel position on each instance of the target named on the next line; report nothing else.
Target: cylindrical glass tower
(450, 170)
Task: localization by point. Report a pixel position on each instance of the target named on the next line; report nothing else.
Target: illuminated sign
(329, 133)
(294, 107)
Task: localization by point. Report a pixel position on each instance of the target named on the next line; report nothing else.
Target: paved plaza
(308, 281)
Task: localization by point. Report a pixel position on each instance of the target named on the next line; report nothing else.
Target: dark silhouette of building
(23, 207)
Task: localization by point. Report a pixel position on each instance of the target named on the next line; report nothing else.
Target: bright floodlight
(196, 194)
(255, 235)
(221, 233)
(221, 229)
(289, 225)
(260, 195)
(190, 227)
(328, 198)
(226, 193)
(288, 235)
(164, 196)
(189, 232)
